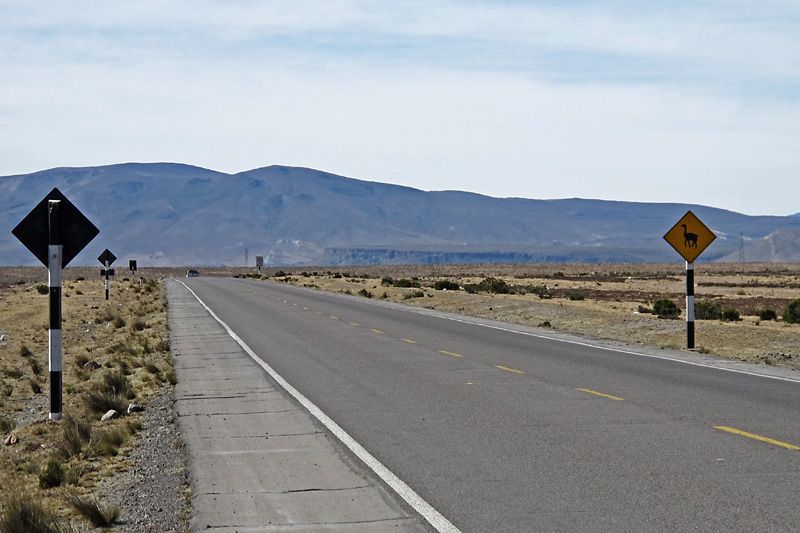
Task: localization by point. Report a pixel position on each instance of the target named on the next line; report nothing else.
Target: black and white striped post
(689, 237)
(107, 271)
(689, 305)
(55, 250)
(55, 231)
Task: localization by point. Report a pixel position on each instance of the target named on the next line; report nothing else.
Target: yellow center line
(305, 308)
(353, 323)
(510, 369)
(409, 341)
(450, 353)
(335, 317)
(601, 394)
(376, 330)
(757, 437)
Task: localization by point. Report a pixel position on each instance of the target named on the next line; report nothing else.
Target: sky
(681, 101)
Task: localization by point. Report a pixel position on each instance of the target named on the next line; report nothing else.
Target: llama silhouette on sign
(689, 239)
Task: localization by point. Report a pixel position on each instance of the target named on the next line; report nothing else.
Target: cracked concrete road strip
(258, 460)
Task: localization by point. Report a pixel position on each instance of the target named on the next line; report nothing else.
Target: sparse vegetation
(78, 450)
(666, 308)
(766, 314)
(446, 285)
(90, 508)
(792, 312)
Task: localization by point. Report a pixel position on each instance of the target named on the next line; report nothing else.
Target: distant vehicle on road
(192, 273)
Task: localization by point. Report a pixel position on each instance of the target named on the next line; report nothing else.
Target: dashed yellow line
(409, 341)
(335, 317)
(510, 369)
(450, 353)
(601, 394)
(757, 437)
(353, 323)
(376, 330)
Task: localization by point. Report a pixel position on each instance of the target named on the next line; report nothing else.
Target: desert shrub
(387, 281)
(7, 425)
(20, 513)
(24, 351)
(138, 325)
(119, 322)
(13, 373)
(446, 285)
(111, 395)
(74, 474)
(76, 436)
(90, 508)
(792, 312)
(413, 294)
(36, 367)
(117, 383)
(52, 475)
(365, 293)
(666, 308)
(490, 285)
(109, 442)
(575, 296)
(403, 282)
(766, 314)
(707, 311)
(43, 289)
(36, 387)
(105, 316)
(729, 314)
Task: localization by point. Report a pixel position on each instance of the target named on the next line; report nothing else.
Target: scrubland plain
(115, 353)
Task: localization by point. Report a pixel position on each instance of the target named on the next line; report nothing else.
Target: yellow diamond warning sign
(690, 237)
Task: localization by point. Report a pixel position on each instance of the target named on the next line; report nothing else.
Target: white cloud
(617, 101)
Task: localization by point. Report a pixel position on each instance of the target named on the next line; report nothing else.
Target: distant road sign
(690, 237)
(76, 230)
(259, 261)
(108, 257)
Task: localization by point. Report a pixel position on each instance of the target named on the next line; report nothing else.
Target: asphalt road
(502, 428)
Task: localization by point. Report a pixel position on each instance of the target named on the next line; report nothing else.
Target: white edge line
(629, 352)
(434, 518)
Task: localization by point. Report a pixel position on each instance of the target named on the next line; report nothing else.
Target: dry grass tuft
(84, 449)
(90, 508)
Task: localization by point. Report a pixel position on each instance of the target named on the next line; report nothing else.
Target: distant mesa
(169, 214)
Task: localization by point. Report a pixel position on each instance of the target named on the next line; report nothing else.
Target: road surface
(506, 428)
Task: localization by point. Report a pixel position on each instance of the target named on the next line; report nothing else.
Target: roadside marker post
(107, 258)
(690, 244)
(55, 232)
(259, 263)
(54, 333)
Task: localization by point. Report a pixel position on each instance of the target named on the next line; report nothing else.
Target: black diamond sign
(76, 230)
(107, 256)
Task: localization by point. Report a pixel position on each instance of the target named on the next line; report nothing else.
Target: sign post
(259, 263)
(107, 258)
(690, 244)
(55, 231)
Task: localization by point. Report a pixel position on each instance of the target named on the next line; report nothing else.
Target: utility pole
(246, 260)
(741, 247)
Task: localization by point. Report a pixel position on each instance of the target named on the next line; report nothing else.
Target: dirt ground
(125, 337)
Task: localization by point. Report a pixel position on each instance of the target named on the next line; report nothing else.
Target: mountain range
(168, 214)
